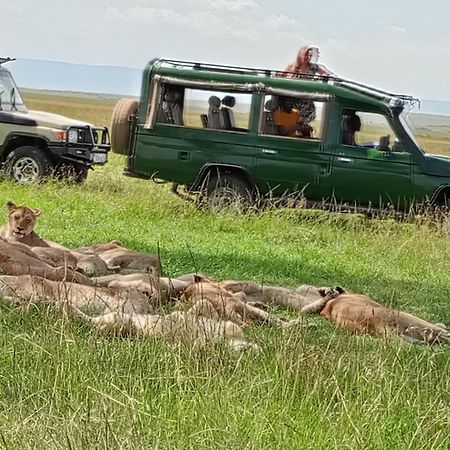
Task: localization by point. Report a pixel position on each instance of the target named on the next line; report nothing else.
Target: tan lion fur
(17, 259)
(180, 326)
(226, 305)
(117, 257)
(295, 299)
(355, 312)
(26, 288)
(20, 226)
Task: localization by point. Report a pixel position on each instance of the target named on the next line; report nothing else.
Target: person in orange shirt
(288, 121)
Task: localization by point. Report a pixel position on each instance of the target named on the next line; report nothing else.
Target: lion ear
(36, 211)
(340, 290)
(323, 292)
(10, 206)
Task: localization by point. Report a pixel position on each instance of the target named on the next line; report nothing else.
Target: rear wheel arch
(441, 197)
(216, 170)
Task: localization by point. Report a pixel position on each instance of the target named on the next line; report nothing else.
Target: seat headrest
(171, 96)
(214, 101)
(229, 101)
(271, 105)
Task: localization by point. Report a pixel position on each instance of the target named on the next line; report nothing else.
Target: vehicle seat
(170, 111)
(204, 119)
(214, 113)
(226, 113)
(269, 125)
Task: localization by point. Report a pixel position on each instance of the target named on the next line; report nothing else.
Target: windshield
(10, 98)
(430, 132)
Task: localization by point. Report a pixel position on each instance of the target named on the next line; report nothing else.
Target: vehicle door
(369, 165)
(189, 132)
(290, 159)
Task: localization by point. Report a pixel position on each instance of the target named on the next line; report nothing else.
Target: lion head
(21, 219)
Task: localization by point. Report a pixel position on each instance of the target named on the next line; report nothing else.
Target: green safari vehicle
(235, 132)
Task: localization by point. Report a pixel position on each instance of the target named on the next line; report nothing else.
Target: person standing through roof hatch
(307, 62)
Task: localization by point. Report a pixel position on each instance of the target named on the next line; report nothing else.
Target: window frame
(228, 88)
(389, 121)
(314, 96)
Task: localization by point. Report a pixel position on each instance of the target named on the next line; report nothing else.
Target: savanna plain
(62, 385)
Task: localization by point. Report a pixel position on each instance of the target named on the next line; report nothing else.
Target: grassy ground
(64, 386)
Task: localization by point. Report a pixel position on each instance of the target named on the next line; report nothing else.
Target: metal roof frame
(345, 83)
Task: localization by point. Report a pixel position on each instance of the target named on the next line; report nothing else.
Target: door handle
(183, 155)
(269, 151)
(346, 160)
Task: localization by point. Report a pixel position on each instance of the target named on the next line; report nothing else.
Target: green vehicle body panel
(320, 168)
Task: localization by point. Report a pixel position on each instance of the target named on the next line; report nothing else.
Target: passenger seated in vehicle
(227, 114)
(214, 112)
(352, 124)
(288, 120)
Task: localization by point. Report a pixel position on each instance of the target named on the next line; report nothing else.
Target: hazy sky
(400, 45)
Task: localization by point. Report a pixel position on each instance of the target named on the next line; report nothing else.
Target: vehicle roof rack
(349, 84)
(5, 60)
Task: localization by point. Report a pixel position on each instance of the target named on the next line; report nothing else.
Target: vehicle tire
(27, 165)
(120, 125)
(228, 193)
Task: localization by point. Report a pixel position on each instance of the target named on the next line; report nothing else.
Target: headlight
(72, 136)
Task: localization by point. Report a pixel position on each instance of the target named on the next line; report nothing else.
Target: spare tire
(121, 125)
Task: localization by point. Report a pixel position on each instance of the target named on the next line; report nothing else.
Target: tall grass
(64, 386)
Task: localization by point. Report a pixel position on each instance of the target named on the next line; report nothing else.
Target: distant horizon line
(18, 59)
(118, 96)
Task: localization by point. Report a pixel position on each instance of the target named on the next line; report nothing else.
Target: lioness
(26, 288)
(160, 289)
(175, 326)
(20, 229)
(355, 312)
(295, 299)
(20, 226)
(211, 300)
(18, 259)
(117, 257)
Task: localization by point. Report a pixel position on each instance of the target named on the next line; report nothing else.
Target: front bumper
(84, 146)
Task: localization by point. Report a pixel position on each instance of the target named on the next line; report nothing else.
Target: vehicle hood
(45, 119)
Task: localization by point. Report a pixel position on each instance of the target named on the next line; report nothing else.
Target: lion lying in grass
(211, 300)
(20, 290)
(18, 259)
(94, 260)
(294, 299)
(355, 312)
(20, 226)
(117, 257)
(161, 290)
(180, 326)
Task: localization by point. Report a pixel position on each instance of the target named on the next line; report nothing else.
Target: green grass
(64, 386)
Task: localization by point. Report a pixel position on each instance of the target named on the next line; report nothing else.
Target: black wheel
(227, 192)
(27, 165)
(72, 172)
